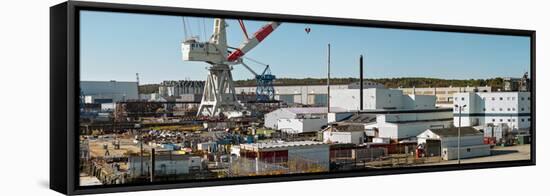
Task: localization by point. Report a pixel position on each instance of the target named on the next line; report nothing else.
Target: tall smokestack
(328, 80)
(361, 82)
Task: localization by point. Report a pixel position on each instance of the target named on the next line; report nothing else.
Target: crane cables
(184, 28)
(255, 61)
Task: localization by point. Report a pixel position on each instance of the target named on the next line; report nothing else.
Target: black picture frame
(64, 80)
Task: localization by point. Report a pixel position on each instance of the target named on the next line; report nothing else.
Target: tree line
(404, 82)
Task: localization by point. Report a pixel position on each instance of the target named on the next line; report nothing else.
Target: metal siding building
(379, 98)
(471, 142)
(294, 118)
(109, 91)
(511, 108)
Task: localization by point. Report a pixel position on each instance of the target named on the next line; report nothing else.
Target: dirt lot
(126, 144)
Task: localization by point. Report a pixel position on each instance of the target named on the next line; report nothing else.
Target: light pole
(459, 125)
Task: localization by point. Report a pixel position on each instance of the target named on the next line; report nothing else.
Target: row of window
(511, 120)
(499, 98)
(508, 109)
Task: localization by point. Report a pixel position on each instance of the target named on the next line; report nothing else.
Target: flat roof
(314, 110)
(453, 131)
(280, 144)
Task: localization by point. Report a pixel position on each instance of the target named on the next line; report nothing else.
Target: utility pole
(459, 125)
(328, 80)
(137, 80)
(361, 82)
(152, 171)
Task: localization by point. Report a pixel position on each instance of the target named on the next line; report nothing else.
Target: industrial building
(379, 98)
(517, 84)
(180, 87)
(298, 120)
(345, 134)
(165, 165)
(108, 91)
(314, 95)
(483, 108)
(444, 95)
(471, 142)
(303, 156)
(402, 124)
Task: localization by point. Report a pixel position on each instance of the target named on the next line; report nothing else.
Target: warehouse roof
(362, 118)
(313, 110)
(453, 131)
(280, 144)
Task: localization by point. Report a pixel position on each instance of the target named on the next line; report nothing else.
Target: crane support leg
(219, 92)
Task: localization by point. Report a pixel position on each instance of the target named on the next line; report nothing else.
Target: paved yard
(498, 153)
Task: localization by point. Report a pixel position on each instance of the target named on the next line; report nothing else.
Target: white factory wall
(301, 125)
(451, 141)
(411, 124)
(379, 98)
(344, 137)
(296, 94)
(419, 102)
(444, 94)
(271, 119)
(511, 108)
(115, 90)
(451, 153)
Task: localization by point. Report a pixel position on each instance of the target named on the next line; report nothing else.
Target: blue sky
(115, 46)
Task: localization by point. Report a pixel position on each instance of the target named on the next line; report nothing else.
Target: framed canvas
(147, 97)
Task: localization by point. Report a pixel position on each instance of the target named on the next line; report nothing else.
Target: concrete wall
(451, 153)
(301, 125)
(355, 137)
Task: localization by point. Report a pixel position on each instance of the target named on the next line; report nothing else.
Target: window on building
(493, 120)
(462, 98)
(509, 120)
(522, 109)
(500, 109)
(508, 98)
(529, 119)
(508, 109)
(467, 149)
(523, 98)
(493, 98)
(513, 120)
(513, 109)
(501, 120)
(529, 98)
(522, 120)
(513, 98)
(501, 98)
(484, 109)
(492, 109)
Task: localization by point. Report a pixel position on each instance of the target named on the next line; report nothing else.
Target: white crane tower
(219, 91)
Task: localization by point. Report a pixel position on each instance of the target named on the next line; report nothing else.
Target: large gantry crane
(219, 91)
